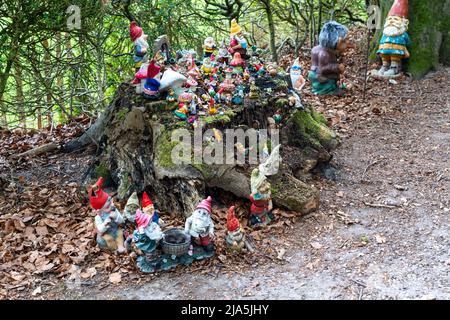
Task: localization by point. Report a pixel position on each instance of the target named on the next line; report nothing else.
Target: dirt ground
(382, 231)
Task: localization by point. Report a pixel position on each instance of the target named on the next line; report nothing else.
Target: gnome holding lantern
(235, 236)
(141, 46)
(107, 220)
(395, 39)
(237, 40)
(325, 71)
(200, 225)
(147, 234)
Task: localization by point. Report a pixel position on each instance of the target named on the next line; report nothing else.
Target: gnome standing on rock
(200, 225)
(107, 220)
(395, 39)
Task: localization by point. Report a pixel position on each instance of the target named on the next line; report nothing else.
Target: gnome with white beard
(200, 225)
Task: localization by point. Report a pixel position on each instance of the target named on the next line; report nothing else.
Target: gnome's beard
(395, 26)
(141, 42)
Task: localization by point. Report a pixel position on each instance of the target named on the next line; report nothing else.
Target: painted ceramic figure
(183, 107)
(152, 84)
(235, 236)
(237, 40)
(147, 234)
(131, 207)
(298, 82)
(107, 220)
(227, 85)
(325, 71)
(149, 209)
(254, 91)
(171, 96)
(207, 67)
(141, 46)
(200, 225)
(395, 39)
(211, 107)
(238, 63)
(261, 196)
(209, 46)
(223, 56)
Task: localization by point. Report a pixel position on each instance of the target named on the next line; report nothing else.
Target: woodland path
(382, 231)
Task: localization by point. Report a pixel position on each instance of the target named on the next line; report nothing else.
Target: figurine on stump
(237, 41)
(209, 46)
(201, 227)
(141, 46)
(107, 220)
(152, 84)
(395, 39)
(325, 71)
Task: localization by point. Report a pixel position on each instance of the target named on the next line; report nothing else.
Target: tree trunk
(19, 96)
(135, 147)
(429, 28)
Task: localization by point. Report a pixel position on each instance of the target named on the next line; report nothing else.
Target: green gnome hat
(133, 200)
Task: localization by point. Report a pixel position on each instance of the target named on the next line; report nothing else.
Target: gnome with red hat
(107, 220)
(200, 225)
(152, 84)
(147, 234)
(141, 46)
(235, 236)
(395, 39)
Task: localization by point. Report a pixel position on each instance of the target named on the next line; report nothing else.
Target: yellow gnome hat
(235, 28)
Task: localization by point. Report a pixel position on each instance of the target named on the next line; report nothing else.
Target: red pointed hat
(205, 204)
(232, 221)
(135, 31)
(99, 199)
(142, 219)
(146, 202)
(152, 70)
(399, 9)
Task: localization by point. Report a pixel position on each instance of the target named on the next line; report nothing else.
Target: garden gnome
(147, 234)
(208, 47)
(261, 196)
(200, 225)
(223, 55)
(141, 46)
(235, 236)
(325, 71)
(298, 82)
(237, 40)
(131, 207)
(149, 208)
(152, 84)
(395, 39)
(107, 220)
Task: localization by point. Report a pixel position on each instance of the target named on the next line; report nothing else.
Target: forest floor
(382, 231)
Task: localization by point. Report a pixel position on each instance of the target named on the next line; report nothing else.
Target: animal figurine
(131, 207)
(107, 220)
(235, 236)
(325, 71)
(141, 45)
(395, 40)
(200, 225)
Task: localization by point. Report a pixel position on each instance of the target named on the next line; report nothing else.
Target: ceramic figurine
(152, 84)
(107, 220)
(325, 71)
(235, 237)
(298, 82)
(147, 234)
(238, 63)
(227, 85)
(395, 39)
(212, 109)
(131, 207)
(172, 80)
(207, 67)
(272, 70)
(141, 45)
(261, 196)
(191, 84)
(237, 40)
(277, 117)
(149, 208)
(184, 101)
(229, 99)
(223, 56)
(171, 96)
(140, 77)
(193, 70)
(209, 46)
(200, 225)
(254, 91)
(193, 107)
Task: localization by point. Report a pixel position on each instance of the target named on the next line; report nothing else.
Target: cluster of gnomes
(107, 220)
(261, 196)
(200, 225)
(325, 70)
(395, 39)
(235, 236)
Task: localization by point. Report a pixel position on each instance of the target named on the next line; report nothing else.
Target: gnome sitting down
(107, 220)
(200, 225)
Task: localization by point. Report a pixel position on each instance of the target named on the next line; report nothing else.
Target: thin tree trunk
(19, 96)
(47, 66)
(60, 77)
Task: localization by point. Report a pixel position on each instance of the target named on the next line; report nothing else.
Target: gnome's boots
(384, 68)
(394, 70)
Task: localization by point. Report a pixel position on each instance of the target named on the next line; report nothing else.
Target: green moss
(280, 103)
(122, 114)
(165, 147)
(102, 171)
(316, 133)
(124, 186)
(205, 169)
(319, 117)
(225, 118)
